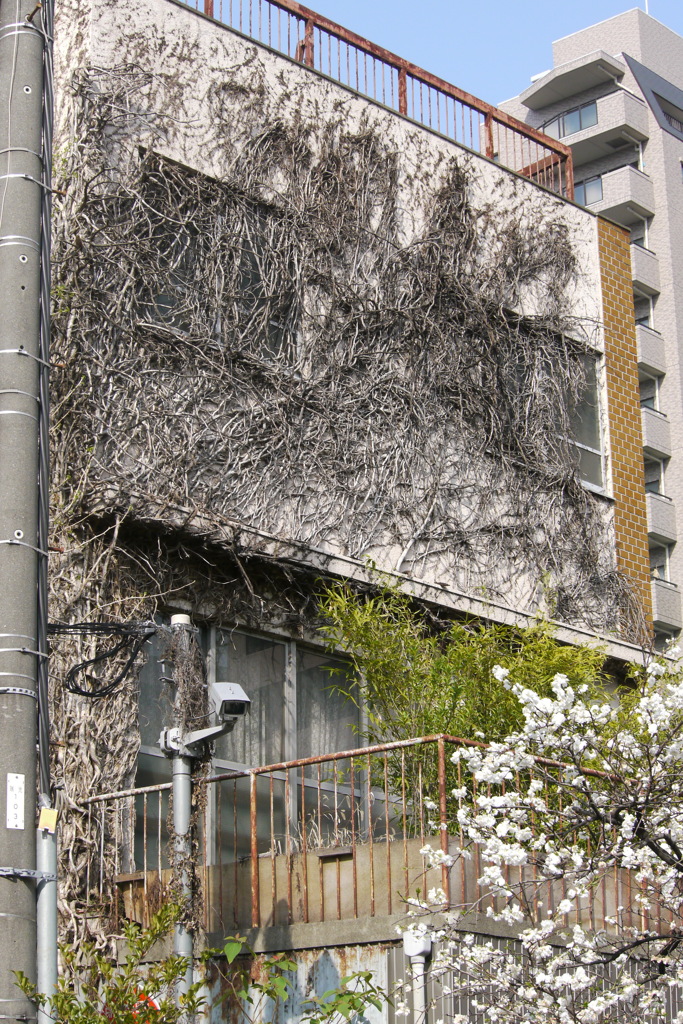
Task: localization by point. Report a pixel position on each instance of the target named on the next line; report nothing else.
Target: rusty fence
(335, 837)
(384, 77)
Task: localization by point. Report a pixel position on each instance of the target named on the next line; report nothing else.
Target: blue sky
(487, 47)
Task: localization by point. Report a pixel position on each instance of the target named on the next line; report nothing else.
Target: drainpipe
(182, 814)
(418, 949)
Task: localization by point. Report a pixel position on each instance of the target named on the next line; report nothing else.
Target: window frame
(559, 119)
(580, 190)
(208, 641)
(597, 360)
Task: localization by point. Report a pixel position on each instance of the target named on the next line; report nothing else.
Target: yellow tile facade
(623, 409)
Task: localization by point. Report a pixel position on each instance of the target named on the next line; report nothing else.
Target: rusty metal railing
(382, 76)
(317, 839)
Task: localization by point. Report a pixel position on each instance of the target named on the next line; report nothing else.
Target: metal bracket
(39, 876)
(19, 689)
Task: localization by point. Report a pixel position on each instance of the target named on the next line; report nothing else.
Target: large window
(586, 428)
(298, 709)
(217, 267)
(588, 191)
(298, 704)
(572, 121)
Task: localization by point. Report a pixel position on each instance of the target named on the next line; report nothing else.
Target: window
(217, 267)
(572, 121)
(654, 475)
(660, 555)
(648, 387)
(644, 309)
(297, 709)
(673, 115)
(586, 429)
(639, 234)
(588, 191)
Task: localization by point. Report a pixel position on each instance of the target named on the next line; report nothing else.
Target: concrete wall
(213, 84)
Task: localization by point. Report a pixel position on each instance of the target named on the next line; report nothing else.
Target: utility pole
(22, 42)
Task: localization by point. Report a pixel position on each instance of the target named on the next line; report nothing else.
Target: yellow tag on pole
(47, 820)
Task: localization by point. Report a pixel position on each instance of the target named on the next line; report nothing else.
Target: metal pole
(182, 814)
(21, 187)
(46, 948)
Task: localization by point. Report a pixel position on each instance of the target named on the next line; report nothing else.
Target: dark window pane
(590, 466)
(586, 419)
(572, 122)
(593, 191)
(553, 128)
(589, 115)
(326, 720)
(258, 665)
(155, 697)
(580, 193)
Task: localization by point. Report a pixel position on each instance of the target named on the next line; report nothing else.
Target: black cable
(132, 635)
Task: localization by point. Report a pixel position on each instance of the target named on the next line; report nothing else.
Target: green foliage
(261, 990)
(417, 677)
(96, 989)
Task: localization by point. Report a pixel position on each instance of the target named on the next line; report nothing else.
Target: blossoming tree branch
(574, 827)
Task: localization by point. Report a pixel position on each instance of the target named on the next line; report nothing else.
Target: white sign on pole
(15, 800)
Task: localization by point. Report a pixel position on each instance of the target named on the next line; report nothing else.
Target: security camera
(229, 700)
(230, 703)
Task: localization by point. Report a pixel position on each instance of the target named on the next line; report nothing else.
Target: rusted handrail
(438, 105)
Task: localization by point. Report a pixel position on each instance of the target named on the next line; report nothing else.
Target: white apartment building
(615, 95)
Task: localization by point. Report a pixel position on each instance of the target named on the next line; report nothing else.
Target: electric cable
(132, 638)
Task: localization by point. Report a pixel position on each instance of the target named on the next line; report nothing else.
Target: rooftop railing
(382, 76)
(329, 838)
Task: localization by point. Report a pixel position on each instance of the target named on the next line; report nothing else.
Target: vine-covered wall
(284, 314)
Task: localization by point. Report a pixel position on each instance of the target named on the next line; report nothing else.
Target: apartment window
(644, 309)
(654, 475)
(660, 556)
(572, 121)
(639, 234)
(673, 115)
(586, 428)
(648, 387)
(588, 191)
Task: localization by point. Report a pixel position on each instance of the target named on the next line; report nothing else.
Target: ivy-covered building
(318, 316)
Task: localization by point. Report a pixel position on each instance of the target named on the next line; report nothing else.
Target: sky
(487, 47)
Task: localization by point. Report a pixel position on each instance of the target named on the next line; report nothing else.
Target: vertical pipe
(182, 845)
(46, 917)
(182, 820)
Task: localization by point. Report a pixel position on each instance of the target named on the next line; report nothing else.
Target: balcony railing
(328, 838)
(382, 76)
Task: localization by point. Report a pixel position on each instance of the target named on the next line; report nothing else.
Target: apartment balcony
(622, 122)
(656, 433)
(651, 351)
(661, 519)
(628, 196)
(666, 605)
(325, 842)
(645, 270)
(572, 78)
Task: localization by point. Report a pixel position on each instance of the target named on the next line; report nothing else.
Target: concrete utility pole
(21, 187)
